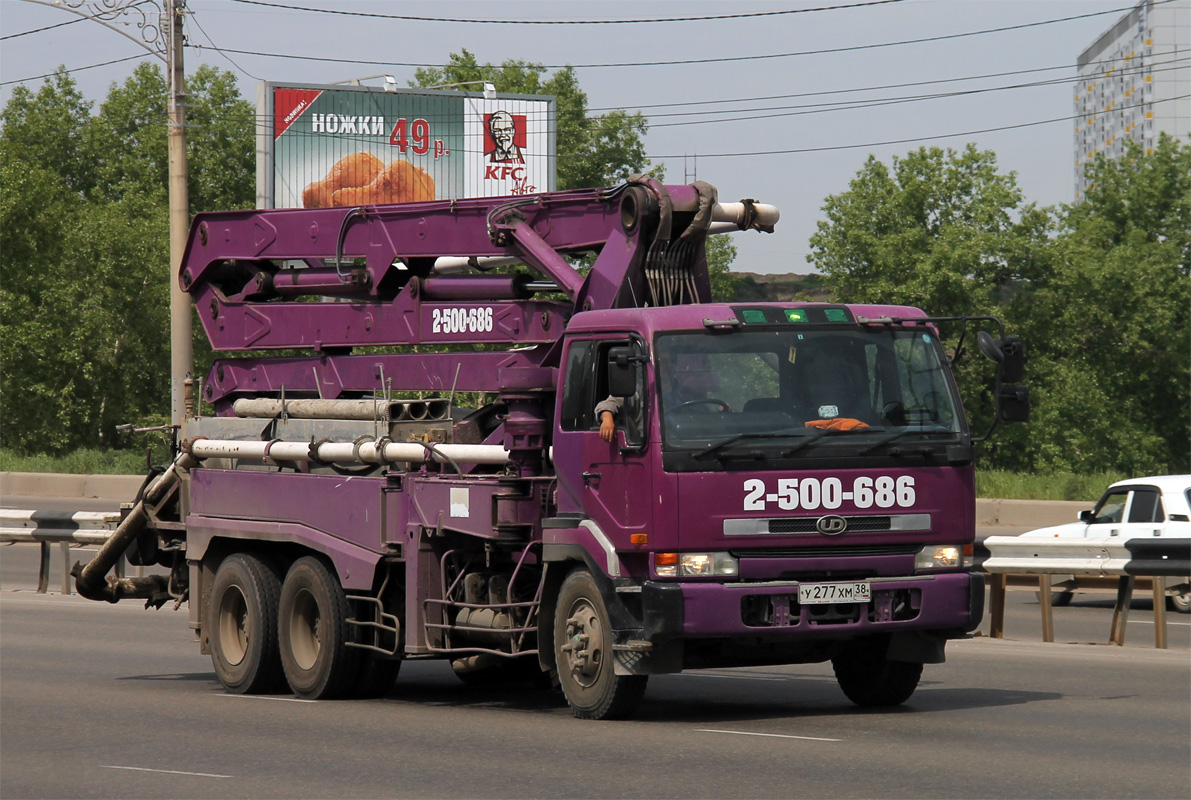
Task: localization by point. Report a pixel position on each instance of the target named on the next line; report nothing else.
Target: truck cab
(783, 479)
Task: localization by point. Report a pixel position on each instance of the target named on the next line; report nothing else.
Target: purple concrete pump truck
(424, 473)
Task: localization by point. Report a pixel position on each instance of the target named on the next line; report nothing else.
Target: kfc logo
(504, 138)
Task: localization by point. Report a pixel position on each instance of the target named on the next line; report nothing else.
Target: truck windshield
(805, 389)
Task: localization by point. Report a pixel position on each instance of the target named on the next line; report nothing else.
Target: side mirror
(1013, 403)
(1009, 353)
(622, 372)
(990, 347)
(1087, 515)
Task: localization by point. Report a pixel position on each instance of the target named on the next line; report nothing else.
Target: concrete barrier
(1025, 515)
(43, 484)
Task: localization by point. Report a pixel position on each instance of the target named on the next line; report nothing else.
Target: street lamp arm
(112, 12)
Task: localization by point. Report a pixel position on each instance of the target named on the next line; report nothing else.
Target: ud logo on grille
(831, 526)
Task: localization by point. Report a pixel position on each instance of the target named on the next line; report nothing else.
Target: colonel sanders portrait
(503, 131)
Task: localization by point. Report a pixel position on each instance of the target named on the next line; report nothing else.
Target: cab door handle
(587, 476)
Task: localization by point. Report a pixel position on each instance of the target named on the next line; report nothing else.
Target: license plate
(821, 593)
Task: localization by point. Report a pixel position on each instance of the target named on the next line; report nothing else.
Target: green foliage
(85, 236)
(720, 255)
(941, 230)
(1110, 322)
(1054, 486)
(595, 150)
(87, 462)
(1100, 291)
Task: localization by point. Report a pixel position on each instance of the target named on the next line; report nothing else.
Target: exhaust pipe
(90, 579)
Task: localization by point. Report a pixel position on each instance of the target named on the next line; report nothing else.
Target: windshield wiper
(710, 449)
(810, 439)
(897, 435)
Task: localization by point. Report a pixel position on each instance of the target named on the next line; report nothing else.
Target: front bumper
(951, 603)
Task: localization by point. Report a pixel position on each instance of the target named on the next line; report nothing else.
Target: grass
(989, 483)
(1057, 486)
(82, 462)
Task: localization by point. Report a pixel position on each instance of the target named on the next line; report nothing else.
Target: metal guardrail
(63, 528)
(1087, 565)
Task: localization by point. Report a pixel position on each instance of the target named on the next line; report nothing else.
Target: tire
(313, 632)
(1180, 602)
(583, 654)
(871, 680)
(242, 625)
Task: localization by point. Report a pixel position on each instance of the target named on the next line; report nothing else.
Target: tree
(597, 150)
(1100, 291)
(941, 230)
(84, 227)
(1111, 320)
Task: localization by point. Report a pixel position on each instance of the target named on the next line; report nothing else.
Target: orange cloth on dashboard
(837, 424)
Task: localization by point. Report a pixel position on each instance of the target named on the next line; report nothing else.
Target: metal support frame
(999, 582)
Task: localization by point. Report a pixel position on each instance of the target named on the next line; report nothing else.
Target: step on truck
(421, 471)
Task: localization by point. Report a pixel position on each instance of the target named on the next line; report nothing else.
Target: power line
(76, 69)
(883, 87)
(39, 30)
(407, 18)
(194, 18)
(720, 60)
(819, 108)
(910, 140)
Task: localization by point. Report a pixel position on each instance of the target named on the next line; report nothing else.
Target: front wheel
(870, 679)
(1181, 602)
(583, 654)
(313, 631)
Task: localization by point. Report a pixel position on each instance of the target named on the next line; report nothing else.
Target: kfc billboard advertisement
(324, 146)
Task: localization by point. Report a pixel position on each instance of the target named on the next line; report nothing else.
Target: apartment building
(1134, 83)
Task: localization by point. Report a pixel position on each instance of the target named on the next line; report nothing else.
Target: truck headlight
(944, 556)
(695, 565)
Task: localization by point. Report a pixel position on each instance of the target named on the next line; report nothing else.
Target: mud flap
(645, 658)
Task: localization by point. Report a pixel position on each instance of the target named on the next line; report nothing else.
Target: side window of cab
(585, 385)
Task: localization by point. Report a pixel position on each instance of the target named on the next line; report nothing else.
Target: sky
(768, 75)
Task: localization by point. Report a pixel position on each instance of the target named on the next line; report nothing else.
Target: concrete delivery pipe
(90, 579)
(347, 452)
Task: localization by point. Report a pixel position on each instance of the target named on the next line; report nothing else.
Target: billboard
(323, 146)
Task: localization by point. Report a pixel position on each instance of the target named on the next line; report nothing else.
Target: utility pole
(162, 37)
(181, 343)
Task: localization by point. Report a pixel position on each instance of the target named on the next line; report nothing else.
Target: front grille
(840, 551)
(807, 524)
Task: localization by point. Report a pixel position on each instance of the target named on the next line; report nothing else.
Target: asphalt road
(114, 701)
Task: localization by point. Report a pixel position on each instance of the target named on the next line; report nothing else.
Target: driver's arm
(606, 411)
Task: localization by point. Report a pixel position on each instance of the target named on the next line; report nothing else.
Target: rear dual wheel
(313, 633)
(242, 625)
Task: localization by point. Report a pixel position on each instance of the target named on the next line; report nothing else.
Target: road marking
(167, 771)
(770, 735)
(729, 677)
(1151, 622)
(265, 697)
